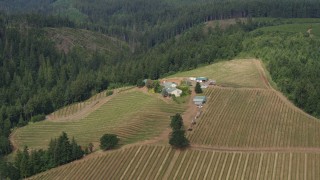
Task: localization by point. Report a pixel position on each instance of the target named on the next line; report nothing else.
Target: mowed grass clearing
(68, 111)
(253, 118)
(161, 162)
(295, 28)
(133, 116)
(234, 73)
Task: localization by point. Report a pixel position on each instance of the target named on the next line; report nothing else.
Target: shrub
(108, 141)
(109, 93)
(185, 90)
(178, 139)
(39, 117)
(198, 89)
(140, 83)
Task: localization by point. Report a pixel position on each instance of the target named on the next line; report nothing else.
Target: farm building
(169, 84)
(201, 79)
(192, 78)
(199, 100)
(174, 91)
(203, 86)
(212, 82)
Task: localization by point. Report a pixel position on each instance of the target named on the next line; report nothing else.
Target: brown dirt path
(262, 74)
(163, 138)
(13, 141)
(256, 149)
(190, 112)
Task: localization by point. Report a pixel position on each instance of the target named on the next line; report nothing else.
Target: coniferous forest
(163, 37)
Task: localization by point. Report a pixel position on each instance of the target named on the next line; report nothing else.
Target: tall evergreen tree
(176, 122)
(24, 166)
(197, 88)
(177, 137)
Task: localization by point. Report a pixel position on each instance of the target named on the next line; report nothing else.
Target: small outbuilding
(201, 79)
(192, 78)
(199, 100)
(204, 86)
(169, 84)
(212, 82)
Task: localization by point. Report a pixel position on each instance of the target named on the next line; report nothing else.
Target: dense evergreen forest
(293, 62)
(35, 78)
(145, 23)
(164, 37)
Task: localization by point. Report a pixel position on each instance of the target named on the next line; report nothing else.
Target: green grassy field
(295, 28)
(66, 112)
(160, 162)
(134, 116)
(288, 20)
(235, 73)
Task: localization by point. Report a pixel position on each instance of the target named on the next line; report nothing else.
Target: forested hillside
(36, 78)
(145, 23)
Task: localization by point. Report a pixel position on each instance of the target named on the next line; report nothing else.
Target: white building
(174, 91)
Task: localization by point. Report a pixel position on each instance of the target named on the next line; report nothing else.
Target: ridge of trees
(146, 23)
(27, 163)
(293, 62)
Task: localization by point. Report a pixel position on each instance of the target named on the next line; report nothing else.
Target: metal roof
(171, 89)
(202, 78)
(199, 98)
(169, 84)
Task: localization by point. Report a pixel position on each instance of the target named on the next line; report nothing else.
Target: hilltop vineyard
(253, 118)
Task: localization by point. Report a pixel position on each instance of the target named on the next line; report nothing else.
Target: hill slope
(235, 73)
(160, 162)
(242, 133)
(253, 118)
(132, 115)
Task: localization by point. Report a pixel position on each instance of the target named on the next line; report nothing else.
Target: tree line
(27, 163)
(293, 62)
(146, 23)
(36, 78)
